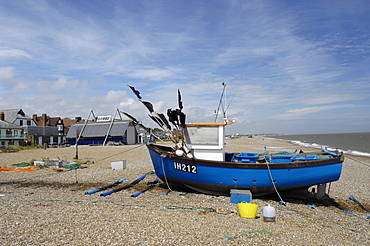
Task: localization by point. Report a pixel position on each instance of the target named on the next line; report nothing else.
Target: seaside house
(36, 130)
(17, 117)
(10, 134)
(48, 130)
(45, 120)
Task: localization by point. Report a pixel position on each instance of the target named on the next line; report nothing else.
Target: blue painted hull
(217, 177)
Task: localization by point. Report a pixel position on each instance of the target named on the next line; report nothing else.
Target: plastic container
(269, 213)
(238, 196)
(118, 165)
(247, 157)
(247, 210)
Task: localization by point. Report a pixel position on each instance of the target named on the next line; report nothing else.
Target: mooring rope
(363, 163)
(165, 177)
(249, 234)
(33, 177)
(54, 173)
(118, 204)
(197, 208)
(136, 147)
(273, 183)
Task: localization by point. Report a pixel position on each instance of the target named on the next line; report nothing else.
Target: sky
(290, 67)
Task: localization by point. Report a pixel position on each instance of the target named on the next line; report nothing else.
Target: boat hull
(218, 177)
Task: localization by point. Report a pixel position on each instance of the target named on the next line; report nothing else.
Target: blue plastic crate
(247, 157)
(238, 196)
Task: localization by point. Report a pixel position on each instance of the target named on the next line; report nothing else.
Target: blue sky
(291, 67)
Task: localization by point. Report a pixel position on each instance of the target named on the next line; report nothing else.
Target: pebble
(50, 208)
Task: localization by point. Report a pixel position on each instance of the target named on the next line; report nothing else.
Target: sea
(349, 143)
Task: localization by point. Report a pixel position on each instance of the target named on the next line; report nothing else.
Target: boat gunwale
(164, 152)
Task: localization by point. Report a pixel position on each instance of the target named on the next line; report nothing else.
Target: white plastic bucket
(269, 213)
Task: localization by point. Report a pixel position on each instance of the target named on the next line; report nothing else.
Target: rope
(53, 173)
(120, 152)
(322, 217)
(123, 205)
(33, 177)
(165, 177)
(198, 208)
(363, 163)
(249, 234)
(273, 183)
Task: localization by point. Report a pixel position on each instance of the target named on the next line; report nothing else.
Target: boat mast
(221, 104)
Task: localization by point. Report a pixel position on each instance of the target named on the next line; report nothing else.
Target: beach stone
(43, 207)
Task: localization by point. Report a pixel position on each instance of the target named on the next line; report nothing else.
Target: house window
(21, 122)
(28, 122)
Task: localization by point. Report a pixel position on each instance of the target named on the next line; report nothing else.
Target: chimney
(43, 119)
(2, 115)
(34, 117)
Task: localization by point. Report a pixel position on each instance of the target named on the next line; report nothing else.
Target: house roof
(11, 115)
(53, 121)
(5, 124)
(68, 122)
(98, 129)
(41, 130)
(45, 120)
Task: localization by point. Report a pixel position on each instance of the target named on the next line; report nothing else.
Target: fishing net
(72, 166)
(20, 169)
(282, 153)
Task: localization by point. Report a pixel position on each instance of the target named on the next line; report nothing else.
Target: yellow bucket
(247, 210)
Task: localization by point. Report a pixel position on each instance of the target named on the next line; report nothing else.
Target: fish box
(247, 157)
(238, 196)
(39, 163)
(54, 163)
(118, 165)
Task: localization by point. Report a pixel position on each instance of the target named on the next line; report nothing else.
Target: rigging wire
(230, 102)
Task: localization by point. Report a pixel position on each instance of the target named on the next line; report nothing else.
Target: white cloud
(298, 113)
(7, 74)
(20, 86)
(63, 83)
(80, 56)
(58, 85)
(12, 53)
(154, 73)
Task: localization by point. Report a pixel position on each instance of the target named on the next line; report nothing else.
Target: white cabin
(206, 140)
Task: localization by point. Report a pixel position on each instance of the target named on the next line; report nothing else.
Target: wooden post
(321, 191)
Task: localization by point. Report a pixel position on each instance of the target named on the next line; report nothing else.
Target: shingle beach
(49, 207)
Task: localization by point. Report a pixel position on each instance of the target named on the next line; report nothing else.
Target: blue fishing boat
(216, 172)
(198, 160)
